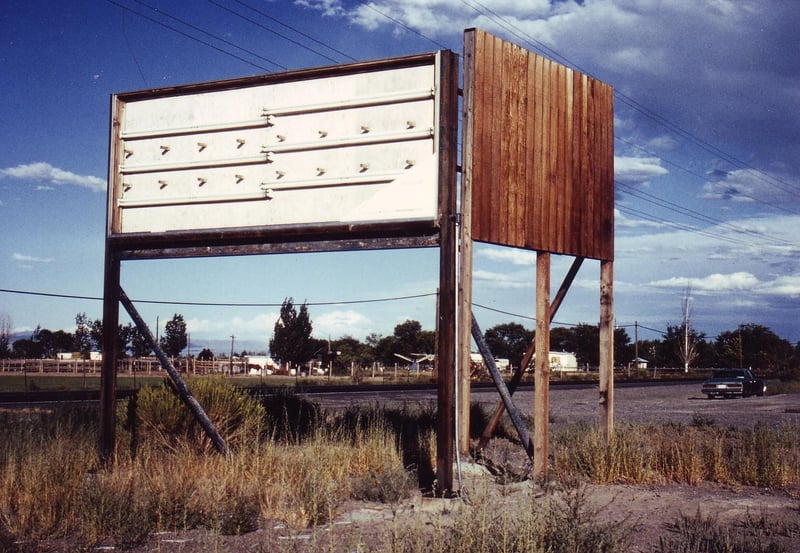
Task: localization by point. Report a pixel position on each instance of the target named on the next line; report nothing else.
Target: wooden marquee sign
(364, 156)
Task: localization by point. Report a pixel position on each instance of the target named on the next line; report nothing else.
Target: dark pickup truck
(733, 383)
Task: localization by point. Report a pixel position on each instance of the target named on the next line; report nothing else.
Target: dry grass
(761, 455)
(289, 461)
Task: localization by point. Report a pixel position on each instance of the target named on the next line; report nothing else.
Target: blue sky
(707, 127)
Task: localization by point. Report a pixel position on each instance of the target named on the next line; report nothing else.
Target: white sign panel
(347, 148)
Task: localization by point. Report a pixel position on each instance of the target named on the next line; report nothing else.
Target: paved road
(679, 403)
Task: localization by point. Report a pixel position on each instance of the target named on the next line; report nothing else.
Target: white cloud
(716, 282)
(515, 256)
(621, 221)
(747, 185)
(637, 169)
(46, 173)
(258, 327)
(785, 286)
(340, 323)
(503, 280)
(23, 258)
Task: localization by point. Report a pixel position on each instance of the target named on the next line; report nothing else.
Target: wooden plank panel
(482, 111)
(542, 153)
(496, 139)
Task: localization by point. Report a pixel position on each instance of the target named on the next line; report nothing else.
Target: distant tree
(96, 333)
(351, 351)
(291, 343)
(584, 341)
(124, 338)
(26, 348)
(54, 342)
(756, 346)
(586, 344)
(382, 348)
(174, 339)
(561, 339)
(623, 349)
(385, 349)
(84, 343)
(509, 341)
(5, 336)
(650, 350)
(205, 355)
(139, 346)
(408, 338)
(681, 346)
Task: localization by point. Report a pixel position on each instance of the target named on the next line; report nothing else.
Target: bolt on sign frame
(538, 174)
(349, 157)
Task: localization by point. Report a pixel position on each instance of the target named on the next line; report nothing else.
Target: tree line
(749, 345)
(292, 344)
(88, 337)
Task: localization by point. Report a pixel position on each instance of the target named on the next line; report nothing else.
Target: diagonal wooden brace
(488, 359)
(516, 378)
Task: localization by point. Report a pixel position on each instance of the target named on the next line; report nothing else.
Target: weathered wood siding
(538, 151)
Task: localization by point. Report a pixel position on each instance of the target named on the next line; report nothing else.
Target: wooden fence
(142, 365)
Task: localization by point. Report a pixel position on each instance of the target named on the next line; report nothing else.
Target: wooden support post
(464, 324)
(541, 375)
(446, 312)
(466, 246)
(606, 368)
(108, 375)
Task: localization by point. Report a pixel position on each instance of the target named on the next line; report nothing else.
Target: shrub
(158, 416)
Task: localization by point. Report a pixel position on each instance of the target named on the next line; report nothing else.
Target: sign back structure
(349, 157)
(538, 174)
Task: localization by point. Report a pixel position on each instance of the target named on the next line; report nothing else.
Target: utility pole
(741, 354)
(636, 345)
(231, 358)
(686, 354)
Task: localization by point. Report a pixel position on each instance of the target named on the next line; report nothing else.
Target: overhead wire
(371, 6)
(661, 202)
(272, 31)
(218, 304)
(294, 29)
(514, 30)
(196, 39)
(701, 176)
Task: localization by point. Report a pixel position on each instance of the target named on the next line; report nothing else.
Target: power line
(276, 33)
(660, 202)
(217, 304)
(399, 23)
(656, 117)
(196, 39)
(298, 31)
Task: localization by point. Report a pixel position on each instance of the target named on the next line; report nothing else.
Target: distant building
(563, 361)
(260, 363)
(501, 363)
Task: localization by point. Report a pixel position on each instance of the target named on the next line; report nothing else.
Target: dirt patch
(647, 512)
